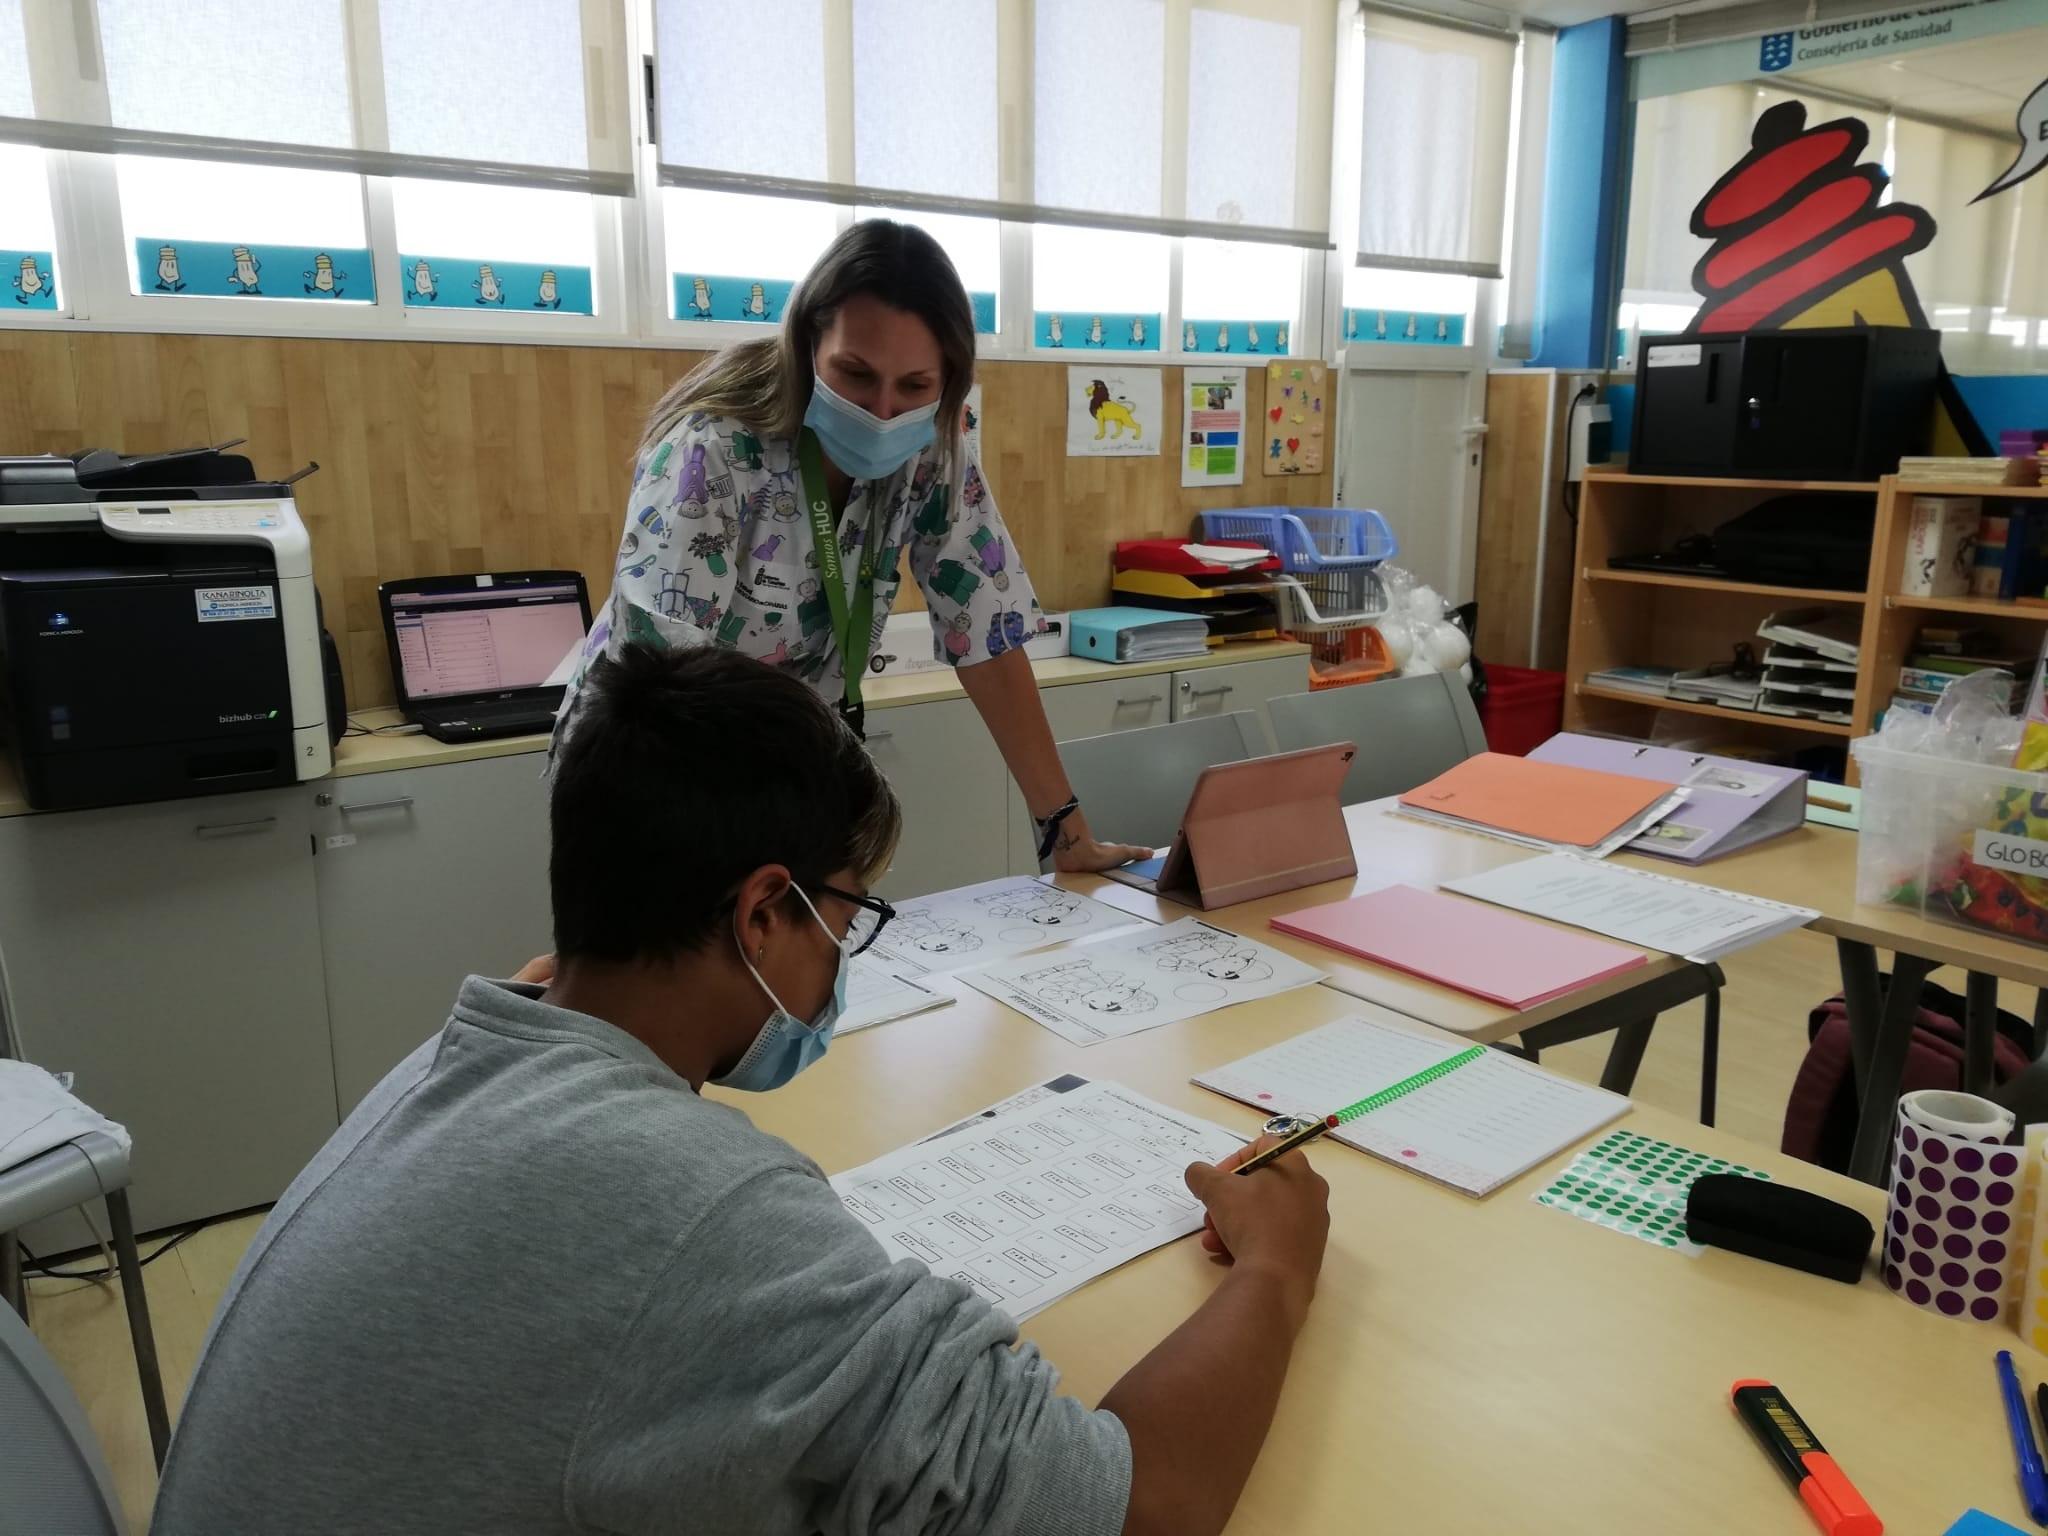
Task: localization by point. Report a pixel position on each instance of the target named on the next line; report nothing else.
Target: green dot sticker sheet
(1637, 1186)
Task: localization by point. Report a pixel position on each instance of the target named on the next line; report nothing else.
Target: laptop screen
(483, 640)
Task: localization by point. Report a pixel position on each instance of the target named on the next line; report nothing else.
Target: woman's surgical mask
(786, 1045)
(860, 442)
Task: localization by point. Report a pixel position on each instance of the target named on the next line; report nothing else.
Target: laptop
(1255, 828)
(475, 657)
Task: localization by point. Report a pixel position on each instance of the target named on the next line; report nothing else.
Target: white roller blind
(1259, 157)
(486, 80)
(1098, 104)
(227, 69)
(1941, 169)
(1434, 146)
(2027, 283)
(742, 87)
(938, 141)
(1683, 145)
(15, 99)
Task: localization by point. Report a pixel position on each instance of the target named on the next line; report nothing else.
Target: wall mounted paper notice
(1030, 1205)
(874, 996)
(995, 920)
(1297, 416)
(1213, 446)
(1679, 917)
(1113, 412)
(1139, 979)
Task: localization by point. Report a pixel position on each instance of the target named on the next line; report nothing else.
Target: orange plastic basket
(1342, 657)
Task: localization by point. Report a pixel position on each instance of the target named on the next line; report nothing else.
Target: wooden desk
(1476, 1365)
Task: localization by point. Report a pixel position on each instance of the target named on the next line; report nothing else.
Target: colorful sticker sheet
(1637, 1186)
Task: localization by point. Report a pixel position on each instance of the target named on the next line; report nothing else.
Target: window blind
(1942, 169)
(1519, 301)
(1192, 117)
(1683, 145)
(508, 91)
(1434, 146)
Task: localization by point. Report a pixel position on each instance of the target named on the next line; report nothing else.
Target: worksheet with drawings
(875, 996)
(1029, 1205)
(1484, 1119)
(1139, 979)
(994, 921)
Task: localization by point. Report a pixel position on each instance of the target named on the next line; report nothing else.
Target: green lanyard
(854, 623)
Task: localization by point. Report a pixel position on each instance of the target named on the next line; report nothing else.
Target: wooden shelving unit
(1648, 619)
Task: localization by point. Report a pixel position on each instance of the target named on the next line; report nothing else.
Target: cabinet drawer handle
(1143, 698)
(875, 736)
(392, 804)
(235, 828)
(1209, 693)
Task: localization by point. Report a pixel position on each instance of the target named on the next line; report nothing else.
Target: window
(720, 64)
(1099, 90)
(895, 129)
(733, 257)
(199, 227)
(1414, 308)
(28, 233)
(1096, 288)
(1237, 297)
(462, 245)
(228, 70)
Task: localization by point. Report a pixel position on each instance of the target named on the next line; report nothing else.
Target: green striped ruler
(1408, 1085)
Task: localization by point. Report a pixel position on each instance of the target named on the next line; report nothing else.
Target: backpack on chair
(1820, 1114)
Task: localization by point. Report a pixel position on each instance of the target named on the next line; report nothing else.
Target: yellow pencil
(1300, 1138)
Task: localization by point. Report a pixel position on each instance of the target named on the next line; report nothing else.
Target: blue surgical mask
(860, 442)
(786, 1045)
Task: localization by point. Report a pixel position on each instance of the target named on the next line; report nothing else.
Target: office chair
(1407, 730)
(1135, 784)
(52, 1474)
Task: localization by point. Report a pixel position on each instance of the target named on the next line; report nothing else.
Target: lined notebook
(1489, 953)
(1471, 1118)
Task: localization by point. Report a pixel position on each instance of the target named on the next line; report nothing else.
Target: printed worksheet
(1031, 1204)
(874, 995)
(1123, 983)
(995, 920)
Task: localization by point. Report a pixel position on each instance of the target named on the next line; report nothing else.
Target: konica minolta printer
(159, 630)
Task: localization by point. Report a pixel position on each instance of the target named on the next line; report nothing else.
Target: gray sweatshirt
(536, 1284)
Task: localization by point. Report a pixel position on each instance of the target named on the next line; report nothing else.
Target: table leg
(2040, 1023)
(1980, 1028)
(1890, 1035)
(1863, 999)
(1710, 1057)
(140, 1334)
(1626, 1055)
(13, 1291)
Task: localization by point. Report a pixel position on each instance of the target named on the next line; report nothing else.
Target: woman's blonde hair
(766, 384)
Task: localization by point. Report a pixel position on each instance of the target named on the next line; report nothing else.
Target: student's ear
(760, 906)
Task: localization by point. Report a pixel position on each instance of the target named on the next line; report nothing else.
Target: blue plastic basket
(1309, 540)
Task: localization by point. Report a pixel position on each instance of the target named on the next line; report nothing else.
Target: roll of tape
(1950, 1221)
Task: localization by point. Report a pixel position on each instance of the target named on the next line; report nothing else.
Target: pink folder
(1501, 956)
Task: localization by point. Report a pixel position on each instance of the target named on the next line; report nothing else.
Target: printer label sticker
(1675, 357)
(220, 604)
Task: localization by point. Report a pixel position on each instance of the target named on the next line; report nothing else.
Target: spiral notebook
(1468, 1117)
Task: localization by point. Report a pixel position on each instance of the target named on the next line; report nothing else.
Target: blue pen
(2033, 1480)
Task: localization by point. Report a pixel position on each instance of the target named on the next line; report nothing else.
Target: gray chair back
(52, 1475)
(1135, 784)
(1407, 730)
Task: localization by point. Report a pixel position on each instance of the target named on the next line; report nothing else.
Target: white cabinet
(424, 876)
(169, 955)
(1238, 685)
(1076, 710)
(945, 769)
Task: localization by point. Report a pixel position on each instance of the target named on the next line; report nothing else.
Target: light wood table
(1476, 1365)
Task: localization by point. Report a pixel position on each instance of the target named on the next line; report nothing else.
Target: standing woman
(780, 482)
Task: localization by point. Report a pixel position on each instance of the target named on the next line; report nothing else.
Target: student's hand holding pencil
(1279, 1215)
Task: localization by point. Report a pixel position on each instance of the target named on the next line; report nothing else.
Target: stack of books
(1810, 665)
(1942, 656)
(1966, 471)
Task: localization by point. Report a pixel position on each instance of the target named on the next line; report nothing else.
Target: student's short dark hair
(682, 773)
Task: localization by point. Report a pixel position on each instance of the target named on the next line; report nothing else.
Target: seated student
(536, 1283)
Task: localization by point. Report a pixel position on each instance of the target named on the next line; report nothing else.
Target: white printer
(160, 634)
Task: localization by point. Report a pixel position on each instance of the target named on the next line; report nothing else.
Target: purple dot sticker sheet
(1637, 1185)
(1954, 1205)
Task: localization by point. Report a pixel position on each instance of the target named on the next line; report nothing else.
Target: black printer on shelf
(160, 634)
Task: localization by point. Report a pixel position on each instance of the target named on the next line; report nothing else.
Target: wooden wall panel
(1525, 411)
(438, 457)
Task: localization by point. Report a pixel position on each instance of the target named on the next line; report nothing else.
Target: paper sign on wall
(1213, 450)
(1291, 431)
(1113, 411)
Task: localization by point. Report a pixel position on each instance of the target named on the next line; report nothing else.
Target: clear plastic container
(1960, 842)
(1309, 540)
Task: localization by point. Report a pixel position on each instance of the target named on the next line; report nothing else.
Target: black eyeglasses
(871, 916)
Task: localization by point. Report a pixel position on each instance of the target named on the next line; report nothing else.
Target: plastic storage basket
(1961, 842)
(1309, 540)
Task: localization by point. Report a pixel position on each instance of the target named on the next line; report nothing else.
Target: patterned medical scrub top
(718, 550)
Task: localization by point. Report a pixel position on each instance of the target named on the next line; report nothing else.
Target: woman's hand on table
(1078, 852)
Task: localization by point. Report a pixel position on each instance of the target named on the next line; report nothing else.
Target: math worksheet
(995, 920)
(1029, 1205)
(1120, 984)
